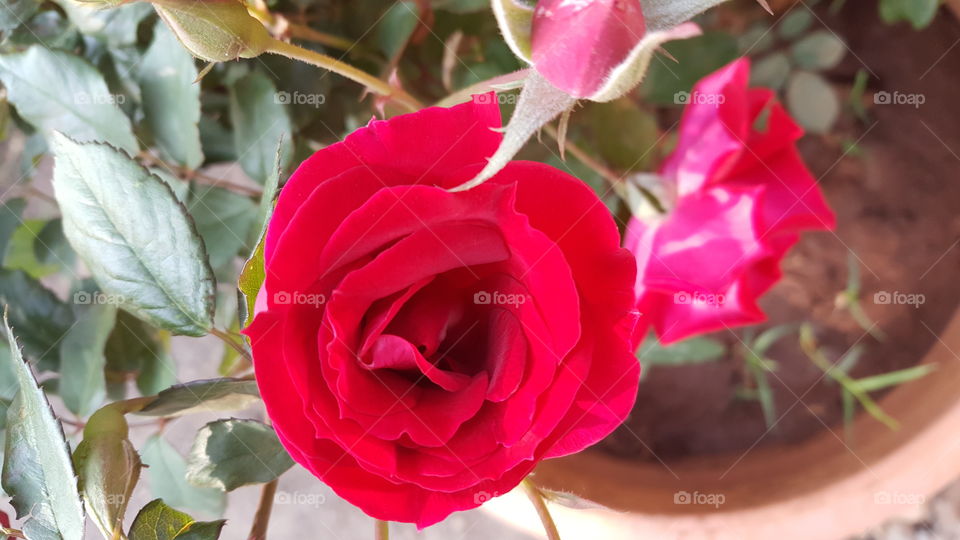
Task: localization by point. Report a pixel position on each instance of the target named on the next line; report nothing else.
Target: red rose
(738, 196)
(419, 350)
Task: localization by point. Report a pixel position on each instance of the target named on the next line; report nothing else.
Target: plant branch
(536, 497)
(225, 337)
(381, 530)
(330, 63)
(261, 519)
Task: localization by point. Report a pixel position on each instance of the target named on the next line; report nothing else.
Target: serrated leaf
(224, 219)
(157, 521)
(108, 467)
(228, 454)
(171, 99)
(813, 102)
(820, 50)
(167, 474)
(42, 319)
(113, 214)
(37, 471)
(57, 91)
(82, 360)
(202, 396)
(259, 121)
(116, 27)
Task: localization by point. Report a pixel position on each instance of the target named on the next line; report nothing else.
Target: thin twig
(225, 337)
(536, 497)
(381, 530)
(261, 520)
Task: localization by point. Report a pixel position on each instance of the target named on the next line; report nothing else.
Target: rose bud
(739, 195)
(420, 350)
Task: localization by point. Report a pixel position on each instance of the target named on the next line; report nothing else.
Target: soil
(897, 201)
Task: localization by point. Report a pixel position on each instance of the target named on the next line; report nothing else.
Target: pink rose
(738, 196)
(420, 351)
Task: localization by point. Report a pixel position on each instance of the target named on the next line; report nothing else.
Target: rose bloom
(420, 350)
(738, 195)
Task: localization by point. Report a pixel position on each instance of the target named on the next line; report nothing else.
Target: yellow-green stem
(536, 497)
(381, 530)
(330, 63)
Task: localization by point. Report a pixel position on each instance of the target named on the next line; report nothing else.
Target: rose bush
(737, 194)
(420, 350)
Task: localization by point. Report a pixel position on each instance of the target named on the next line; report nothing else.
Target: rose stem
(323, 61)
(232, 344)
(536, 497)
(258, 531)
(381, 530)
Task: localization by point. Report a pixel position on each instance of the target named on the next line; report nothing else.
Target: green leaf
(623, 134)
(919, 13)
(515, 18)
(396, 27)
(770, 336)
(115, 27)
(251, 279)
(228, 454)
(82, 360)
(171, 99)
(57, 91)
(51, 246)
(13, 13)
(771, 71)
(114, 212)
(42, 319)
(696, 58)
(820, 50)
(894, 378)
(37, 471)
(813, 102)
(10, 212)
(108, 467)
(167, 473)
(135, 348)
(795, 23)
(259, 122)
(22, 252)
(689, 351)
(157, 521)
(202, 396)
(224, 219)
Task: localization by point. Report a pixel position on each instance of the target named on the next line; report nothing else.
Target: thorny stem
(330, 63)
(261, 520)
(198, 177)
(536, 497)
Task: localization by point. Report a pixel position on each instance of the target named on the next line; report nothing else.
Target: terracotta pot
(820, 488)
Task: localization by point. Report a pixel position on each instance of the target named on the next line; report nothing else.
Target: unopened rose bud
(214, 30)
